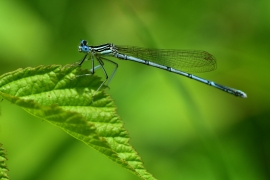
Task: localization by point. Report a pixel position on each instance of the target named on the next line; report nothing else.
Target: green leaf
(62, 97)
(3, 166)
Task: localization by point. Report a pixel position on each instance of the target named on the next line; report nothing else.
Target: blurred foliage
(182, 129)
(3, 166)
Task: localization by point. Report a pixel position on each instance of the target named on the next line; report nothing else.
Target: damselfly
(177, 61)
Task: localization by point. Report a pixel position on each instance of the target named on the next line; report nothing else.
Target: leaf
(62, 97)
(3, 166)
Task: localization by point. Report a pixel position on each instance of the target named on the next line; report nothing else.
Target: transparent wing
(184, 60)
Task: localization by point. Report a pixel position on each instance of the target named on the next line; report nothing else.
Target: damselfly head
(83, 47)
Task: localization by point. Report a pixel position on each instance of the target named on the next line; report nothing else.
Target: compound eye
(84, 42)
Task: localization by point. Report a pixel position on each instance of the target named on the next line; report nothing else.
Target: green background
(182, 129)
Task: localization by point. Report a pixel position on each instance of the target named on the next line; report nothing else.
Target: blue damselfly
(177, 61)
